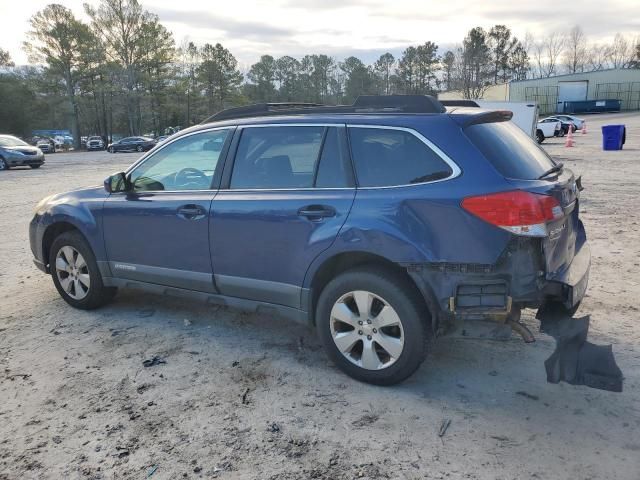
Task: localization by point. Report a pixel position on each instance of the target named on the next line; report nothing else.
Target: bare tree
(547, 52)
(597, 57)
(621, 52)
(575, 53)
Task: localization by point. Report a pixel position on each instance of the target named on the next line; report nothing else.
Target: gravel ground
(246, 396)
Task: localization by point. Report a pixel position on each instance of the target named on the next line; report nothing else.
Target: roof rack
(363, 104)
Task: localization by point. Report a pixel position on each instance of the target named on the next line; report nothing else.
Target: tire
(35, 166)
(139, 148)
(539, 136)
(96, 294)
(111, 150)
(3, 164)
(407, 337)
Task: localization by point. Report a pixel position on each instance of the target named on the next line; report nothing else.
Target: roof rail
(363, 104)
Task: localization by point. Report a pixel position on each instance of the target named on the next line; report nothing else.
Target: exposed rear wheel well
(50, 235)
(349, 260)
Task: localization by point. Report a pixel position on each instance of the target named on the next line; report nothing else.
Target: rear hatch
(528, 168)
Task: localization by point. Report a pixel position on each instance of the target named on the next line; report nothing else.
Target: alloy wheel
(73, 272)
(3, 164)
(367, 330)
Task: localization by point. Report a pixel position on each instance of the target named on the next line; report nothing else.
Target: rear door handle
(317, 212)
(191, 212)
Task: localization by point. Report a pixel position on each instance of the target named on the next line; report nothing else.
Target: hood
(72, 197)
(28, 149)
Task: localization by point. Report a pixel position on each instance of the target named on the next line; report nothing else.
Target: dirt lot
(248, 396)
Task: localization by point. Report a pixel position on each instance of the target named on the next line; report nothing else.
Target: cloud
(230, 26)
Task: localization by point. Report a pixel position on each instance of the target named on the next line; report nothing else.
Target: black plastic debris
(575, 360)
(152, 362)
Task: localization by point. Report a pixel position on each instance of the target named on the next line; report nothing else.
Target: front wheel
(539, 136)
(111, 150)
(372, 324)
(35, 166)
(139, 148)
(75, 273)
(3, 164)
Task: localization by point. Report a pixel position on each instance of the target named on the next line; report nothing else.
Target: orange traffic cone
(584, 127)
(569, 142)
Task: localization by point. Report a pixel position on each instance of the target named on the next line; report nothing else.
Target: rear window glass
(385, 157)
(511, 151)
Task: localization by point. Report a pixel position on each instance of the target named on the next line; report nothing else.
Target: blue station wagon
(383, 224)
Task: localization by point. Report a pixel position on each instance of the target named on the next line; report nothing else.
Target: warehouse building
(571, 93)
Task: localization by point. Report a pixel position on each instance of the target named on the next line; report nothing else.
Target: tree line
(122, 73)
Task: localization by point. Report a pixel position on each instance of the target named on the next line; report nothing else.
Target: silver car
(15, 152)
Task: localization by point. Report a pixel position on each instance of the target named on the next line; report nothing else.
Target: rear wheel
(539, 136)
(139, 148)
(111, 150)
(372, 325)
(75, 273)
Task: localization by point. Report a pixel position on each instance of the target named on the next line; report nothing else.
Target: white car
(548, 127)
(46, 145)
(578, 122)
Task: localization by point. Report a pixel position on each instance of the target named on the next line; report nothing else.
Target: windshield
(511, 151)
(7, 141)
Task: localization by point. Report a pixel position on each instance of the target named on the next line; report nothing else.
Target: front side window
(277, 157)
(388, 157)
(188, 163)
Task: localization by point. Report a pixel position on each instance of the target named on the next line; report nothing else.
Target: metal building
(553, 94)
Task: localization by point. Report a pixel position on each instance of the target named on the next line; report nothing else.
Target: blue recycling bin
(613, 137)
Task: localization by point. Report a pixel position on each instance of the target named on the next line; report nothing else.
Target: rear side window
(277, 157)
(511, 151)
(385, 157)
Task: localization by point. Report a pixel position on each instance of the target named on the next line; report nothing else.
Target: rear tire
(111, 150)
(75, 273)
(385, 355)
(139, 148)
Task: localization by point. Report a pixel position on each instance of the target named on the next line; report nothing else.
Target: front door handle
(317, 212)
(191, 212)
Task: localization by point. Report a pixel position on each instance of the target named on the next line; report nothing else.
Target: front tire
(35, 166)
(539, 137)
(3, 164)
(111, 150)
(75, 273)
(372, 325)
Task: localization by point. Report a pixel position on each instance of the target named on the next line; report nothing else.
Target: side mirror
(116, 183)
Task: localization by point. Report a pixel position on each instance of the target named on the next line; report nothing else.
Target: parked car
(548, 128)
(564, 125)
(15, 152)
(378, 227)
(578, 122)
(132, 144)
(95, 143)
(161, 139)
(47, 145)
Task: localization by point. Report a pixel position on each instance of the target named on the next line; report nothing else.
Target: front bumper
(25, 160)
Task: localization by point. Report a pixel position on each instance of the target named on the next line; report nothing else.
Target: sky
(365, 28)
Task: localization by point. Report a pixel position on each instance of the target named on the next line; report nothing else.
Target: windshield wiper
(555, 169)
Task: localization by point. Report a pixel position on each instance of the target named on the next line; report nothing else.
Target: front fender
(81, 209)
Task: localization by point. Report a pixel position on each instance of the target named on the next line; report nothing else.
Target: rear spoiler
(487, 116)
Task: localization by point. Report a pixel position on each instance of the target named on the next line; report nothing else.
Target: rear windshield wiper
(431, 177)
(555, 169)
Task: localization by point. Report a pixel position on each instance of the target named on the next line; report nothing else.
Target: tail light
(521, 213)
